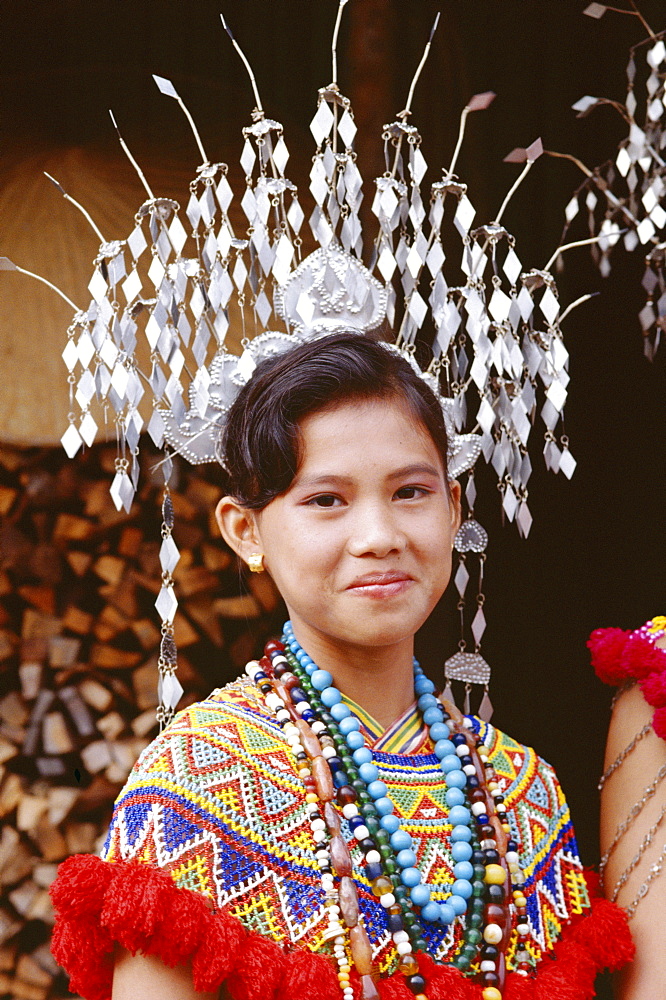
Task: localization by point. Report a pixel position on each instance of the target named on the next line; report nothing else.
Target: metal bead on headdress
(179, 280)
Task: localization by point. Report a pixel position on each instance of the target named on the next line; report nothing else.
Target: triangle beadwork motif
(194, 873)
(275, 800)
(205, 755)
(537, 795)
(136, 816)
(176, 829)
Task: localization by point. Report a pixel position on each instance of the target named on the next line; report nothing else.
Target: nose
(375, 531)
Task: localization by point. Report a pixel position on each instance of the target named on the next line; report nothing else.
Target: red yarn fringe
(641, 658)
(606, 646)
(140, 908)
(619, 656)
(659, 722)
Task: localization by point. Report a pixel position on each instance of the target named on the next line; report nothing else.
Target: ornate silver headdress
(181, 278)
(624, 198)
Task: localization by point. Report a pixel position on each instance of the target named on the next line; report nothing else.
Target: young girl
(326, 826)
(633, 799)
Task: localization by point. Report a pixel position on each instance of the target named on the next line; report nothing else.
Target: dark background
(595, 555)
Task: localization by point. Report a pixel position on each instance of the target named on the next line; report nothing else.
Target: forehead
(365, 434)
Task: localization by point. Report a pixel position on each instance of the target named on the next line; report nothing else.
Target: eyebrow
(418, 469)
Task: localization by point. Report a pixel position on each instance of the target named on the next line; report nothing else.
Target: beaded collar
(406, 735)
(336, 765)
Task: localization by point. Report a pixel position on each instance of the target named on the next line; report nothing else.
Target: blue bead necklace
(459, 815)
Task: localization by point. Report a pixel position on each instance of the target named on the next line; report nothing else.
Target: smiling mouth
(381, 585)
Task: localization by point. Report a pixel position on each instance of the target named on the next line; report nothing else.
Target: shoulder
(206, 775)
(227, 724)
(237, 702)
(538, 810)
(541, 826)
(522, 774)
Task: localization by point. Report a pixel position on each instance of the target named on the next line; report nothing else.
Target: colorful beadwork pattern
(216, 802)
(654, 629)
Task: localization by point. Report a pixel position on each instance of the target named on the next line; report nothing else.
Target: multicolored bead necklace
(334, 762)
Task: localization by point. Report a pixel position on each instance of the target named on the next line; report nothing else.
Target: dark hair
(261, 441)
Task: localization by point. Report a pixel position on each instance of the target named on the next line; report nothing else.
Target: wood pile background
(78, 663)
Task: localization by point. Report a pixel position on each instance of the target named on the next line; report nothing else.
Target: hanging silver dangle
(468, 666)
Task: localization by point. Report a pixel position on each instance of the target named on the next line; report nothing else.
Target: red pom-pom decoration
(659, 723)
(641, 657)
(619, 656)
(605, 935)
(606, 646)
(518, 987)
(444, 982)
(654, 689)
(141, 908)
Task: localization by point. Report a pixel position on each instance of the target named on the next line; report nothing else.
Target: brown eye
(325, 500)
(409, 492)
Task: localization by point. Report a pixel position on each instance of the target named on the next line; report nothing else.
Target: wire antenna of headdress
(84, 212)
(8, 265)
(578, 302)
(334, 42)
(528, 156)
(479, 102)
(579, 243)
(419, 69)
(246, 63)
(129, 156)
(603, 188)
(597, 10)
(407, 110)
(166, 87)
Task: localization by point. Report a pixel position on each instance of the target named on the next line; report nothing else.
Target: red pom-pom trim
(445, 982)
(641, 657)
(606, 646)
(654, 689)
(140, 908)
(619, 656)
(659, 722)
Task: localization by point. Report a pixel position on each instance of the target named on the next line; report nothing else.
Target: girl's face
(360, 544)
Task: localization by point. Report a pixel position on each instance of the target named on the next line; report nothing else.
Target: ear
(455, 511)
(238, 526)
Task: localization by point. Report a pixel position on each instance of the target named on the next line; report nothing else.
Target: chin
(381, 628)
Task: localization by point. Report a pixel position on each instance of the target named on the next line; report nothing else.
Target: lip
(386, 584)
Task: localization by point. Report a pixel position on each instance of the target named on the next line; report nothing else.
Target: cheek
(436, 533)
(436, 551)
(297, 550)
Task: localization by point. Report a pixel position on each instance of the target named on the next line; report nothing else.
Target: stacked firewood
(78, 663)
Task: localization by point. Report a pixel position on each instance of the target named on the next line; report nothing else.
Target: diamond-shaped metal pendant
(169, 555)
(166, 604)
(71, 441)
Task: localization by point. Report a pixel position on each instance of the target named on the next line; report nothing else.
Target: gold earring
(256, 562)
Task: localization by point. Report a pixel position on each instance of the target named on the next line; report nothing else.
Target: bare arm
(645, 977)
(145, 977)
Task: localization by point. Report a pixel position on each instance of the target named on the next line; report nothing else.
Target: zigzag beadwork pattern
(216, 802)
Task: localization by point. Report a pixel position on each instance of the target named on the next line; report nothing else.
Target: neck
(380, 680)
